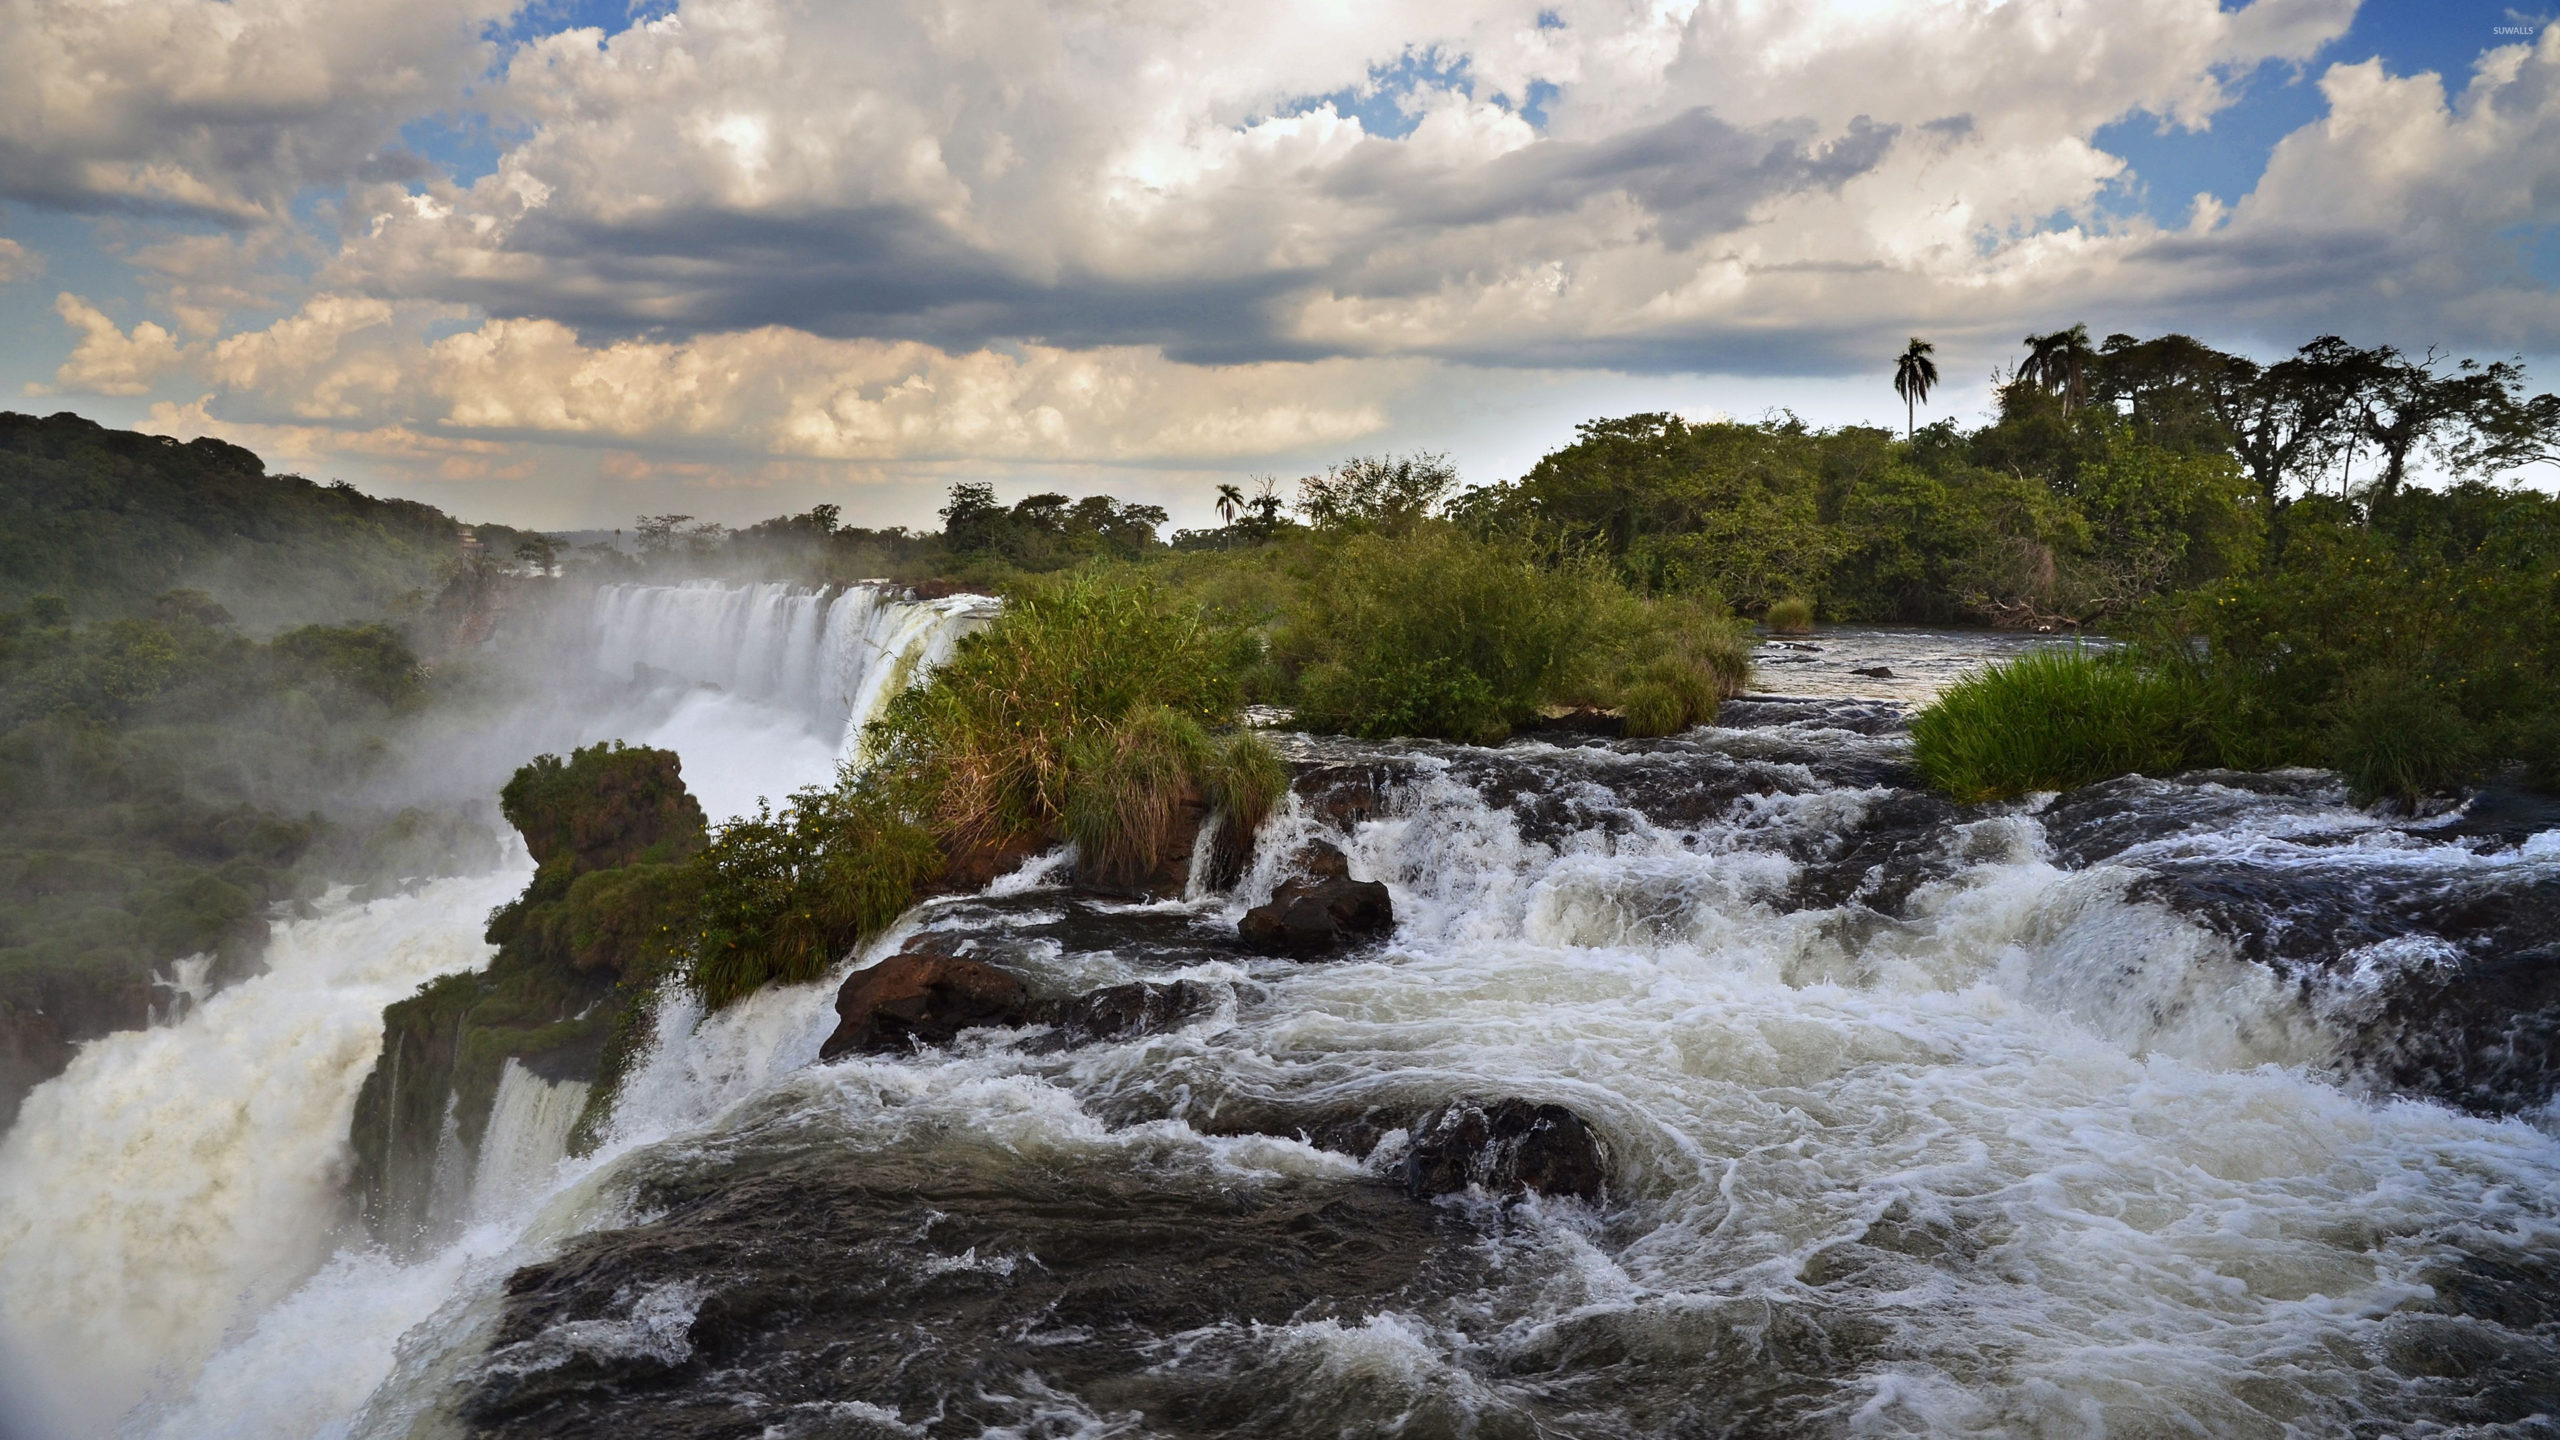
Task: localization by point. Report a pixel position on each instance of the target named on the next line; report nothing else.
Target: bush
(2394, 734)
(1677, 662)
(1439, 635)
(2052, 720)
(1790, 617)
(786, 896)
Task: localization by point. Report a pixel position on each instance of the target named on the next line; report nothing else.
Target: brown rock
(921, 996)
(1310, 918)
(1506, 1147)
(1117, 1012)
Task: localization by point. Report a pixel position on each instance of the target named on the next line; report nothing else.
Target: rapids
(2161, 1108)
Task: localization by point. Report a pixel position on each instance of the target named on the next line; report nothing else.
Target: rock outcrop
(923, 996)
(1322, 912)
(1505, 1147)
(927, 994)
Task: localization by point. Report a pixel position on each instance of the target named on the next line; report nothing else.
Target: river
(2212, 1106)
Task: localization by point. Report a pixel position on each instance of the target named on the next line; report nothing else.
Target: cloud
(219, 108)
(367, 365)
(17, 262)
(106, 360)
(1709, 183)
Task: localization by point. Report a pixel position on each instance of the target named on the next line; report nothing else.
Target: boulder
(1506, 1147)
(921, 996)
(1117, 1012)
(1313, 917)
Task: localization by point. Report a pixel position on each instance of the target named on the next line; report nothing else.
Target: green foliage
(1437, 634)
(2395, 734)
(1047, 531)
(981, 754)
(101, 520)
(2052, 720)
(607, 805)
(785, 896)
(1790, 616)
(1392, 493)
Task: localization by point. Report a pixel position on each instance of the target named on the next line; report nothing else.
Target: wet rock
(1761, 712)
(968, 1288)
(1505, 1147)
(1306, 919)
(1120, 1012)
(1873, 672)
(1344, 795)
(921, 996)
(971, 868)
(1898, 845)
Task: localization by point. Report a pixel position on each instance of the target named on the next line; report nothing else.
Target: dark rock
(921, 996)
(930, 1280)
(1874, 672)
(1505, 1147)
(1310, 918)
(1321, 860)
(1897, 845)
(1119, 1012)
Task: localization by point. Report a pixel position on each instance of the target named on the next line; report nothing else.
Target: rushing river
(2207, 1107)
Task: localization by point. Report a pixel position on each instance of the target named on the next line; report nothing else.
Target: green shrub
(2052, 720)
(1652, 708)
(1440, 635)
(2395, 734)
(785, 896)
(1790, 617)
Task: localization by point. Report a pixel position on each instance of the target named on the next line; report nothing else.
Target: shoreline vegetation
(168, 772)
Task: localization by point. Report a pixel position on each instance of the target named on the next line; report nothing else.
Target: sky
(566, 262)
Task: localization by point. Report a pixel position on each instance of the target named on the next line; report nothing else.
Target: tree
(2060, 363)
(2403, 403)
(1230, 502)
(1914, 376)
(2287, 419)
(1376, 492)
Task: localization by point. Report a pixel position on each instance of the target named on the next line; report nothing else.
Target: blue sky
(742, 255)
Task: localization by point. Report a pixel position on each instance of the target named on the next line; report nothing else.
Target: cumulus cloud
(370, 365)
(221, 108)
(17, 262)
(107, 360)
(1165, 174)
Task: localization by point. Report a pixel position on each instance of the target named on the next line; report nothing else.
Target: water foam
(175, 1179)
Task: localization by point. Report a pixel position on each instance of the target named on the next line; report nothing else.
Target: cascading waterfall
(836, 660)
(1919, 1120)
(176, 1179)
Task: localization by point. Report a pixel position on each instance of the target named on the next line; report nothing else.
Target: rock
(971, 866)
(1874, 672)
(921, 996)
(1505, 1147)
(1321, 860)
(1118, 1012)
(1311, 918)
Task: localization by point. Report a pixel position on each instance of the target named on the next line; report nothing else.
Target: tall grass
(1440, 634)
(1790, 617)
(2051, 720)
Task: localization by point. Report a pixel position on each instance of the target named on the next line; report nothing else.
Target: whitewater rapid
(1920, 1121)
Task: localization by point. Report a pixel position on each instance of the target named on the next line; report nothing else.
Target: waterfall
(528, 1133)
(834, 660)
(176, 1178)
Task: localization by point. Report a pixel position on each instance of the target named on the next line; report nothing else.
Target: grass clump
(2052, 720)
(1087, 712)
(2394, 734)
(1434, 634)
(1439, 634)
(1790, 617)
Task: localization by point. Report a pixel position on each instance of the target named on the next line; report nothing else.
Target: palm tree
(1914, 376)
(2059, 362)
(1230, 500)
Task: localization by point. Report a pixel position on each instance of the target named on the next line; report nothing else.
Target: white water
(168, 1189)
(832, 661)
(2169, 1218)
(178, 1179)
